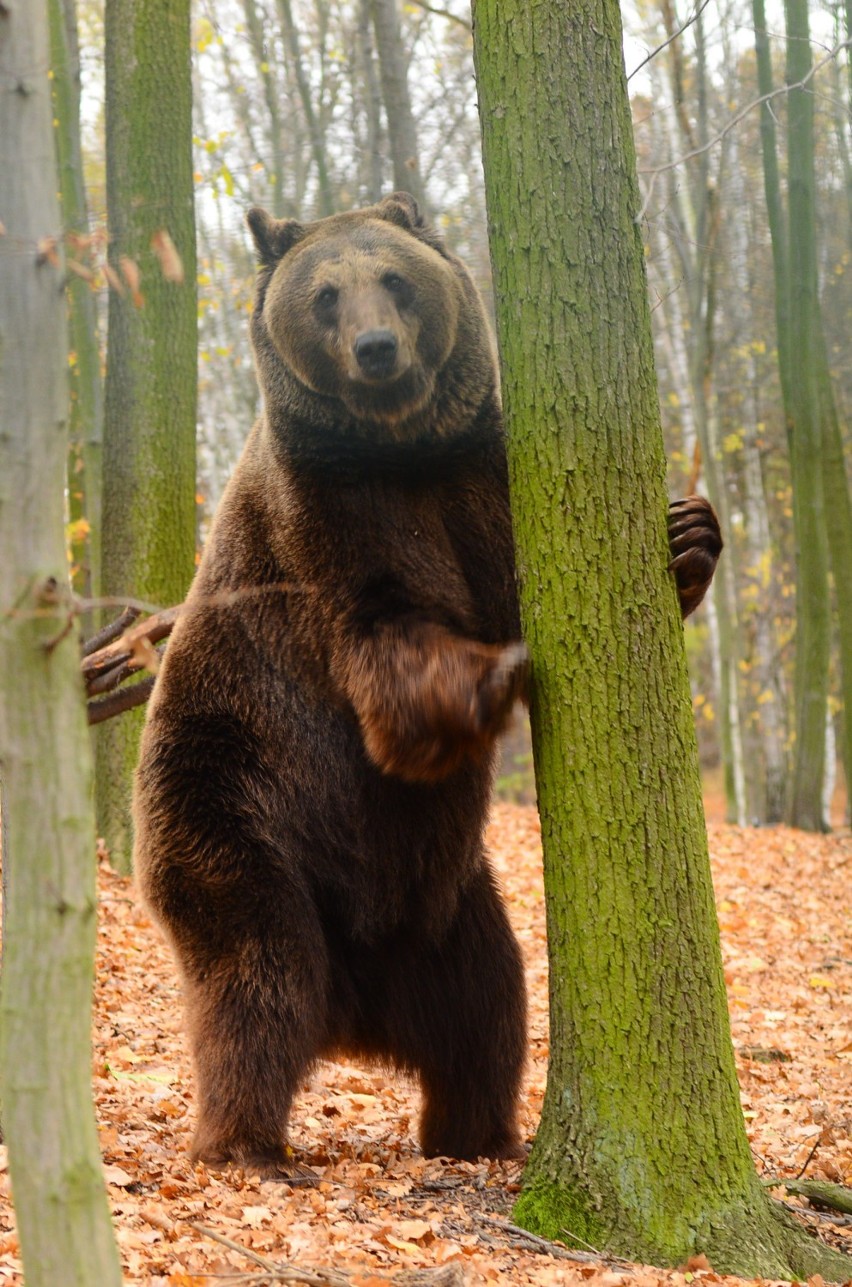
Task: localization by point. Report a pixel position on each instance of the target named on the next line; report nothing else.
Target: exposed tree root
(755, 1240)
(820, 1193)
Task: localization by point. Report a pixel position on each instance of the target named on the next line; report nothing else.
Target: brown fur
(316, 765)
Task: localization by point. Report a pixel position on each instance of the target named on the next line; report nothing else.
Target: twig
(810, 1157)
(110, 632)
(733, 123)
(653, 54)
(125, 699)
(445, 1276)
(452, 17)
(278, 1272)
(544, 1244)
(98, 663)
(106, 680)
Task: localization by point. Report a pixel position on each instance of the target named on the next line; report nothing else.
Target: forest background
(311, 108)
(306, 108)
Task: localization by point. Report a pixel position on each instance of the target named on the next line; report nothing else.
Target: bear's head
(364, 321)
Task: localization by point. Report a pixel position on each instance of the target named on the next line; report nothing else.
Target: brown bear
(316, 763)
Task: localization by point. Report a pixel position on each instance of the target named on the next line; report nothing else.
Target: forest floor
(381, 1211)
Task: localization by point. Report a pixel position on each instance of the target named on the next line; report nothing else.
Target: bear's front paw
(503, 684)
(455, 698)
(695, 542)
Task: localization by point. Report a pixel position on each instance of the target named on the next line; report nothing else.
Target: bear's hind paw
(277, 1165)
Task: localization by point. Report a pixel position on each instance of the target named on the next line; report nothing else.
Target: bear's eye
(327, 297)
(394, 283)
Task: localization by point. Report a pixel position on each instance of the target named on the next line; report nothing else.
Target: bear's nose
(375, 352)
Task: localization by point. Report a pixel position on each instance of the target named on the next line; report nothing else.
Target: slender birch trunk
(48, 834)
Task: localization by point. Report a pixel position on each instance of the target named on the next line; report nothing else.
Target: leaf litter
(381, 1213)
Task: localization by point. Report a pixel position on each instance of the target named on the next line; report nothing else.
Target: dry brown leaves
(381, 1209)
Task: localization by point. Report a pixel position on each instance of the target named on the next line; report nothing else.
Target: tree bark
(48, 841)
(642, 1148)
(149, 444)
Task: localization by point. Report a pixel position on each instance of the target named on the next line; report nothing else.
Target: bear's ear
(401, 208)
(272, 237)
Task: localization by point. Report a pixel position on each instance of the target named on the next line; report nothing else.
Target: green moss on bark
(561, 1214)
(149, 438)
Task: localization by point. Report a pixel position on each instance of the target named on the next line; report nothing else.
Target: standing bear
(317, 759)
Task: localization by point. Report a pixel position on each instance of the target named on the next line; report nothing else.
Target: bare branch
(454, 17)
(110, 632)
(123, 699)
(733, 123)
(653, 54)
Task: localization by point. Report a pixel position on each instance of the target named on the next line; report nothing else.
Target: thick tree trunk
(642, 1148)
(149, 443)
(48, 833)
(86, 419)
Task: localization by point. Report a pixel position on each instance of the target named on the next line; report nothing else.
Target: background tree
(48, 840)
(149, 440)
(86, 419)
(642, 1148)
(821, 503)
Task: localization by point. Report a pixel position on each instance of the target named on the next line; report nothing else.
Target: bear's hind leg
(257, 1023)
(458, 1018)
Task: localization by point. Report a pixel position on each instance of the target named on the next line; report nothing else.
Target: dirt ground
(381, 1211)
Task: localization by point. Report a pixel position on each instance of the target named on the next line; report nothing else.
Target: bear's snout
(376, 353)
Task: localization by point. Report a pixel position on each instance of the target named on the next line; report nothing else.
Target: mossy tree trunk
(642, 1147)
(86, 418)
(48, 832)
(149, 436)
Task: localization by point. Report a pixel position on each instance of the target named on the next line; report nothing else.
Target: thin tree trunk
(402, 131)
(813, 633)
(48, 841)
(264, 63)
(774, 209)
(149, 443)
(325, 202)
(698, 206)
(838, 517)
(372, 153)
(86, 419)
(642, 1148)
